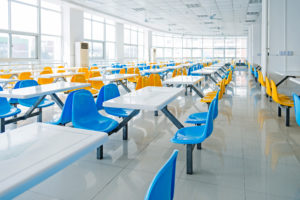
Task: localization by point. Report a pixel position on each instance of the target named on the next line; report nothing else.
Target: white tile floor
(250, 155)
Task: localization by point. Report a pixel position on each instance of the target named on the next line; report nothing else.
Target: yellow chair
(43, 81)
(61, 69)
(48, 69)
(5, 76)
(95, 84)
(133, 71)
(208, 98)
(122, 71)
(142, 82)
(174, 74)
(268, 87)
(94, 67)
(283, 101)
(154, 80)
(84, 70)
(179, 72)
(184, 72)
(80, 78)
(25, 76)
(261, 79)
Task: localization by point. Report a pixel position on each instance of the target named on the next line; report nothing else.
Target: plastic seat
(143, 81)
(13, 100)
(95, 84)
(174, 74)
(163, 184)
(122, 71)
(31, 101)
(87, 117)
(154, 80)
(80, 78)
(61, 69)
(84, 70)
(6, 110)
(297, 108)
(94, 67)
(200, 118)
(48, 69)
(42, 81)
(25, 76)
(66, 114)
(196, 134)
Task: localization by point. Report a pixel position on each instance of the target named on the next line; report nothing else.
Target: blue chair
(108, 92)
(194, 135)
(66, 115)
(6, 110)
(32, 101)
(200, 118)
(13, 100)
(163, 184)
(87, 116)
(297, 107)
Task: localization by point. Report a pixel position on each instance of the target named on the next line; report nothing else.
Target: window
(51, 22)
(133, 42)
(4, 45)
(51, 47)
(219, 53)
(4, 14)
(197, 53)
(23, 46)
(230, 53)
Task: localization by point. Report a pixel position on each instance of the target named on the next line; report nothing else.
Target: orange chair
(94, 67)
(142, 82)
(184, 72)
(84, 70)
(283, 102)
(174, 74)
(95, 84)
(43, 81)
(179, 72)
(25, 76)
(122, 71)
(80, 78)
(133, 71)
(61, 69)
(154, 80)
(48, 69)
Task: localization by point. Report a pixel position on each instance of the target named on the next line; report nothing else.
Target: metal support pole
(156, 113)
(2, 125)
(100, 152)
(171, 117)
(279, 111)
(40, 116)
(189, 158)
(57, 100)
(287, 116)
(125, 132)
(199, 146)
(124, 86)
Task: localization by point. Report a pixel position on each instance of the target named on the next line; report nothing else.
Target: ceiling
(195, 17)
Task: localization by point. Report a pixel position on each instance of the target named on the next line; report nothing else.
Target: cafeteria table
(286, 75)
(206, 72)
(32, 153)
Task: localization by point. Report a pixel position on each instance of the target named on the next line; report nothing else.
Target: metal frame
(284, 79)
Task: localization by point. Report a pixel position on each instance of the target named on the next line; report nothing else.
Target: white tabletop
(58, 75)
(36, 151)
(108, 69)
(204, 71)
(113, 77)
(155, 71)
(189, 80)
(148, 98)
(9, 73)
(295, 80)
(2, 80)
(36, 91)
(288, 73)
(175, 67)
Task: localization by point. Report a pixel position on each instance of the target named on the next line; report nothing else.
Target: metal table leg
(172, 118)
(197, 91)
(210, 76)
(282, 80)
(57, 100)
(124, 86)
(2, 125)
(218, 74)
(189, 158)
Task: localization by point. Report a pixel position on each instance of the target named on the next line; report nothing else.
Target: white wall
(284, 35)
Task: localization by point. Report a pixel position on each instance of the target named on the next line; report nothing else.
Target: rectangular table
(32, 153)
(295, 80)
(58, 76)
(40, 91)
(287, 75)
(188, 81)
(206, 72)
(6, 81)
(115, 78)
(155, 71)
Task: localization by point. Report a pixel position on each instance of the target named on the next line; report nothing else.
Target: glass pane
(219, 43)
(110, 51)
(141, 52)
(97, 18)
(168, 53)
(141, 38)
(207, 43)
(177, 42)
(87, 15)
(126, 51)
(32, 2)
(218, 53)
(230, 53)
(241, 53)
(187, 53)
(134, 52)
(177, 53)
(187, 43)
(97, 49)
(159, 53)
(241, 43)
(87, 25)
(168, 42)
(197, 43)
(108, 21)
(51, 22)
(23, 17)
(3, 14)
(197, 53)
(98, 31)
(127, 36)
(23, 46)
(207, 53)
(50, 5)
(110, 33)
(230, 43)
(50, 48)
(133, 37)
(4, 45)
(160, 41)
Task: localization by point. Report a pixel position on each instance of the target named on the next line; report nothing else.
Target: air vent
(254, 1)
(202, 16)
(138, 9)
(193, 5)
(252, 13)
(249, 21)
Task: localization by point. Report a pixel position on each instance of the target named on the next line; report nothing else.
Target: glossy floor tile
(250, 155)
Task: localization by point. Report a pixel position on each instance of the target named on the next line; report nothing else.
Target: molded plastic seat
(42, 81)
(200, 118)
(297, 108)
(87, 117)
(108, 92)
(154, 80)
(196, 134)
(163, 184)
(25, 76)
(282, 101)
(6, 110)
(13, 100)
(48, 69)
(31, 101)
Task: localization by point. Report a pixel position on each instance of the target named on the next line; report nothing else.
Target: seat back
(274, 92)
(154, 80)
(25, 76)
(268, 87)
(209, 125)
(130, 70)
(179, 72)
(216, 108)
(184, 72)
(297, 108)
(48, 69)
(111, 91)
(84, 70)
(79, 78)
(61, 69)
(94, 67)
(163, 184)
(122, 71)
(142, 82)
(30, 101)
(42, 81)
(4, 105)
(13, 100)
(174, 73)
